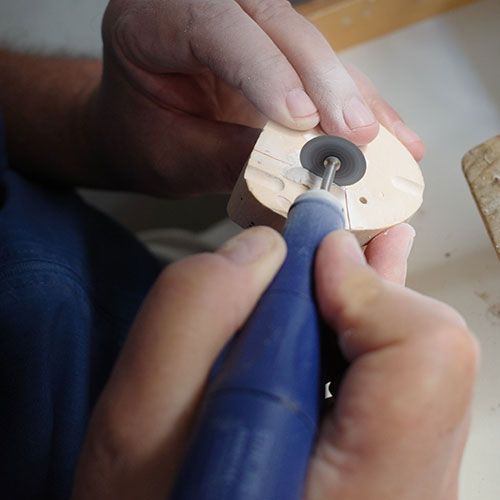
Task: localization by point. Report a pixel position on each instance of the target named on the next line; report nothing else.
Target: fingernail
(357, 114)
(411, 239)
(405, 134)
(300, 104)
(250, 245)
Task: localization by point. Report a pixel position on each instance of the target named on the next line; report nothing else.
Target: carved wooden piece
(481, 166)
(389, 193)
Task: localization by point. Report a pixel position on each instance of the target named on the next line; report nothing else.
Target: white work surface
(443, 76)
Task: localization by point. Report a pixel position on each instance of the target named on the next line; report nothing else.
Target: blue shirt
(71, 282)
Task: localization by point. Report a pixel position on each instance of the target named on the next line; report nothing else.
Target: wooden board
(389, 193)
(481, 166)
(348, 22)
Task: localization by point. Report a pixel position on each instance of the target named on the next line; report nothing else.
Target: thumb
(401, 412)
(144, 417)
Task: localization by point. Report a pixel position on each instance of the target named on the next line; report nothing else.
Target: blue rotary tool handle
(258, 422)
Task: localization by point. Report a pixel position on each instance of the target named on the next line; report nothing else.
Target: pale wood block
(389, 193)
(481, 166)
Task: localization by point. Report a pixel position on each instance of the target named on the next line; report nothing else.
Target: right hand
(401, 414)
(187, 83)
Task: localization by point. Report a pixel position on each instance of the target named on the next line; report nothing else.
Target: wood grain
(481, 166)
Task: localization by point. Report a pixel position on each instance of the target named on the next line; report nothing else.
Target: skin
(175, 109)
(210, 70)
(401, 414)
(178, 103)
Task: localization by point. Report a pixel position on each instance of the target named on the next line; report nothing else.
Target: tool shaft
(258, 422)
(332, 164)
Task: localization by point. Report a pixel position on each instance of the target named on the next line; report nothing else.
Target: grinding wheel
(315, 152)
(388, 193)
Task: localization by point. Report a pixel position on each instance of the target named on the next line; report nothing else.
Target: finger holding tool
(257, 425)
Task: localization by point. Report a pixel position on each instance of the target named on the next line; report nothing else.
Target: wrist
(45, 105)
(85, 132)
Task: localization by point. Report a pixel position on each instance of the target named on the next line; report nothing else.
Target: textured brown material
(481, 167)
(349, 22)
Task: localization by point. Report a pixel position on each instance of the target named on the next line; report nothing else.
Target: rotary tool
(257, 424)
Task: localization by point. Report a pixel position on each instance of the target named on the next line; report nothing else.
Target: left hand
(187, 84)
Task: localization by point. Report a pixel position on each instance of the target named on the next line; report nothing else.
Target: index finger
(343, 110)
(388, 252)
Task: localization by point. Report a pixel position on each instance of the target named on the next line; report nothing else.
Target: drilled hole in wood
(363, 200)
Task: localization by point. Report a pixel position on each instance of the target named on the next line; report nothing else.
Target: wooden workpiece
(389, 193)
(481, 166)
(348, 22)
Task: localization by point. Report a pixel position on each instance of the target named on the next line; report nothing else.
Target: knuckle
(110, 437)
(208, 11)
(208, 283)
(361, 292)
(357, 298)
(272, 66)
(205, 284)
(268, 64)
(324, 86)
(264, 11)
(194, 277)
(458, 347)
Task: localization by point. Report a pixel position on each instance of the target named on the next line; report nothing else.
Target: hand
(187, 83)
(401, 414)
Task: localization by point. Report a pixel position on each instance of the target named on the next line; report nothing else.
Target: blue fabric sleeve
(71, 282)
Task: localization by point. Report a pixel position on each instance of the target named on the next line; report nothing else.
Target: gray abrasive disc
(352, 160)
